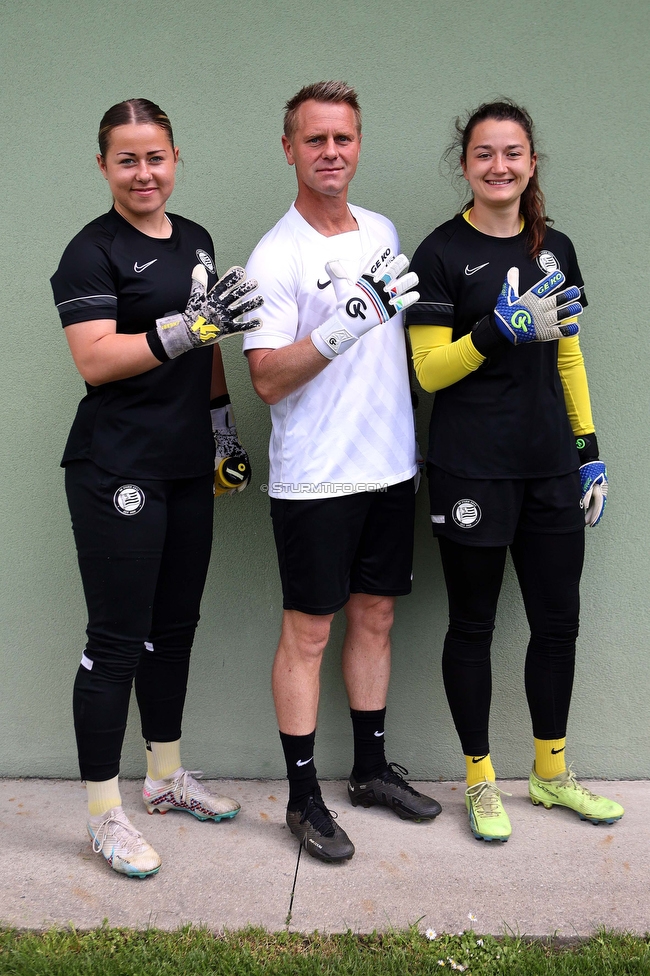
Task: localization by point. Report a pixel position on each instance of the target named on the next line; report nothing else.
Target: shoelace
(185, 784)
(122, 826)
(573, 783)
(319, 817)
(395, 775)
(486, 796)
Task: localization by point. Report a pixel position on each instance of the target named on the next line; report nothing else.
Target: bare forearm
(102, 356)
(276, 373)
(218, 384)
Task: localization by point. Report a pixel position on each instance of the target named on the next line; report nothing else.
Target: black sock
(301, 771)
(369, 756)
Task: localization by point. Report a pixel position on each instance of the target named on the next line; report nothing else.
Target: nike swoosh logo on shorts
(138, 268)
(303, 762)
(379, 734)
(471, 271)
(328, 282)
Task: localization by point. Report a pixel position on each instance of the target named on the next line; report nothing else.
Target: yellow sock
(479, 768)
(163, 759)
(549, 757)
(103, 796)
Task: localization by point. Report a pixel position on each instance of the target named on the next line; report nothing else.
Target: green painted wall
(223, 71)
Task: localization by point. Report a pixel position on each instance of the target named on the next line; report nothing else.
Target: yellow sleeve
(439, 362)
(572, 371)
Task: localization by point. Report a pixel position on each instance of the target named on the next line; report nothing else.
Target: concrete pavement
(557, 875)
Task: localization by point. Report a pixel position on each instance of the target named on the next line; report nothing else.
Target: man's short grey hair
(321, 91)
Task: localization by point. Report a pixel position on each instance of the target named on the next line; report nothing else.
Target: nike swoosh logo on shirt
(321, 286)
(141, 267)
(471, 271)
(303, 762)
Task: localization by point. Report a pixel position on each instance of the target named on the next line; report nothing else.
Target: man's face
(324, 147)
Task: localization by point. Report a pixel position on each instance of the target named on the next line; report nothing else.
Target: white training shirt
(351, 427)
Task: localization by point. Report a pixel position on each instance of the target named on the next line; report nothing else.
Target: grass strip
(254, 952)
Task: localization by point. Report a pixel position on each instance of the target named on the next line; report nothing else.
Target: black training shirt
(155, 425)
(508, 418)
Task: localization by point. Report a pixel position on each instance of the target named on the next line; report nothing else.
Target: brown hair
(532, 204)
(321, 91)
(138, 110)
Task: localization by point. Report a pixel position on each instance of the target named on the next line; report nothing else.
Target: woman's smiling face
(498, 163)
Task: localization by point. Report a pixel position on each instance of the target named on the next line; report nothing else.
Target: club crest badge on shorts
(129, 500)
(466, 513)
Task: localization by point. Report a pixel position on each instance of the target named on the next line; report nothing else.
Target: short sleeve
(436, 306)
(277, 286)
(83, 285)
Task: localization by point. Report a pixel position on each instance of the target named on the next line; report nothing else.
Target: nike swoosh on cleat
(303, 762)
(480, 758)
(471, 271)
(328, 282)
(555, 752)
(378, 734)
(138, 268)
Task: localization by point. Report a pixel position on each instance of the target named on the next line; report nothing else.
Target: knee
(372, 614)
(304, 636)
(113, 663)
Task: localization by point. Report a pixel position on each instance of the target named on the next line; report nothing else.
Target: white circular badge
(466, 513)
(206, 260)
(129, 500)
(548, 262)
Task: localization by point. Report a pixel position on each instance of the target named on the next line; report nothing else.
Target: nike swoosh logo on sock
(480, 758)
(303, 762)
(554, 752)
(378, 734)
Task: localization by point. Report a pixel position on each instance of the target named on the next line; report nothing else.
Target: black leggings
(143, 576)
(548, 568)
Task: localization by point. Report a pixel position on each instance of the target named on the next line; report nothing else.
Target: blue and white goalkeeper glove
(593, 479)
(537, 315)
(593, 485)
(380, 291)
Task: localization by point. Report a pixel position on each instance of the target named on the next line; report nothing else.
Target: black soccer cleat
(319, 835)
(390, 789)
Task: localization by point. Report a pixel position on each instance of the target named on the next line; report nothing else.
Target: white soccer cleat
(124, 847)
(182, 791)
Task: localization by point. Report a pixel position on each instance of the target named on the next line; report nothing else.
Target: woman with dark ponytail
(140, 466)
(513, 458)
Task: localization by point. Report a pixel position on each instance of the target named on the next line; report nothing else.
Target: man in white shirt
(342, 455)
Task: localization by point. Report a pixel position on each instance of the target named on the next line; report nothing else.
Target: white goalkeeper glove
(380, 291)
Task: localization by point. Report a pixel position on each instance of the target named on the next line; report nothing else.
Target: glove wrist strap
(332, 337)
(220, 401)
(173, 334)
(587, 447)
(486, 336)
(156, 346)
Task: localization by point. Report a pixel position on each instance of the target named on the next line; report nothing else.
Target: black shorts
(479, 512)
(329, 548)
